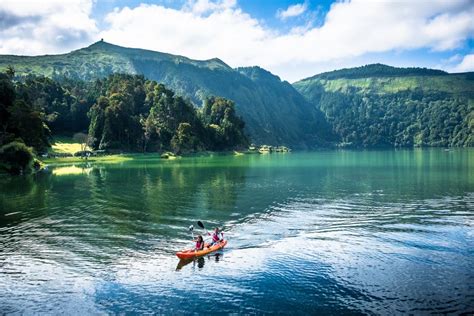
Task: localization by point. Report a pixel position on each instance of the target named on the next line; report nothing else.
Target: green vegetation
(376, 71)
(64, 145)
(382, 106)
(96, 159)
(223, 125)
(274, 112)
(130, 113)
(21, 127)
(96, 93)
(287, 118)
(135, 114)
(64, 104)
(16, 158)
(20, 118)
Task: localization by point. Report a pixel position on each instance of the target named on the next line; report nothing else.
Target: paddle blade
(191, 228)
(200, 224)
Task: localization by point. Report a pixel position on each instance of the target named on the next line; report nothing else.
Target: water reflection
(72, 170)
(199, 261)
(328, 232)
(99, 212)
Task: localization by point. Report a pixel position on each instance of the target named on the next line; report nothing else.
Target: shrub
(16, 157)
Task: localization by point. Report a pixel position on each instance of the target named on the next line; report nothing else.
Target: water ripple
(304, 238)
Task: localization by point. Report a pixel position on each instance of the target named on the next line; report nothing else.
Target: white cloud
(204, 29)
(467, 64)
(351, 29)
(40, 27)
(226, 32)
(292, 11)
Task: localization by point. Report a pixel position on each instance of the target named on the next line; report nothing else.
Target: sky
(293, 39)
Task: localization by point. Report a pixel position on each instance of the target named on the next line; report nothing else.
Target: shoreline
(118, 158)
(69, 160)
(124, 157)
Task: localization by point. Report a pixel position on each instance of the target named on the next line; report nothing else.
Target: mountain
(370, 106)
(382, 106)
(378, 71)
(274, 112)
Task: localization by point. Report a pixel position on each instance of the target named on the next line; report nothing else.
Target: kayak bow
(191, 253)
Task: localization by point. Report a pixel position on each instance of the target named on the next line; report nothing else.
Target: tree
(184, 139)
(16, 157)
(10, 71)
(378, 117)
(28, 124)
(225, 128)
(83, 139)
(124, 112)
(7, 97)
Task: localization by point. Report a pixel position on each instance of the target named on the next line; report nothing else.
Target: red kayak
(191, 253)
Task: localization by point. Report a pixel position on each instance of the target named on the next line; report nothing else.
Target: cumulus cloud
(467, 64)
(292, 11)
(40, 27)
(225, 32)
(204, 29)
(350, 29)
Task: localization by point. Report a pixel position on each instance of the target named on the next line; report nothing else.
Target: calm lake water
(336, 232)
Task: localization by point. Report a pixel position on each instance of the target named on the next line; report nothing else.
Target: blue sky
(293, 39)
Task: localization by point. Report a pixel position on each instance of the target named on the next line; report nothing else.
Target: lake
(330, 232)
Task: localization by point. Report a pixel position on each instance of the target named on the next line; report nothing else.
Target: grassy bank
(66, 145)
(101, 159)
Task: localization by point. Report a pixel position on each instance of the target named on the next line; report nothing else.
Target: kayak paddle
(200, 224)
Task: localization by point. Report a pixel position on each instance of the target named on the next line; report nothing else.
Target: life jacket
(199, 244)
(216, 237)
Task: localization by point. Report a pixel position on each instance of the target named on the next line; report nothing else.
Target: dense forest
(120, 113)
(273, 111)
(382, 106)
(137, 114)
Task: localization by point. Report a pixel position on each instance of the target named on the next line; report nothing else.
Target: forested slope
(380, 106)
(264, 101)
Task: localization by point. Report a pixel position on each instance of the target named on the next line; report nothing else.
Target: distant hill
(382, 106)
(274, 112)
(377, 70)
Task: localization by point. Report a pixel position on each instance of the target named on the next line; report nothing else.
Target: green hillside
(121, 112)
(369, 106)
(380, 106)
(273, 111)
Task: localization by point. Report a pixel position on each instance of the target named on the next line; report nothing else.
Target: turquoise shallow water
(352, 232)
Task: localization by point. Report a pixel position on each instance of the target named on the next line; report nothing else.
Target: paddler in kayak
(217, 236)
(199, 243)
